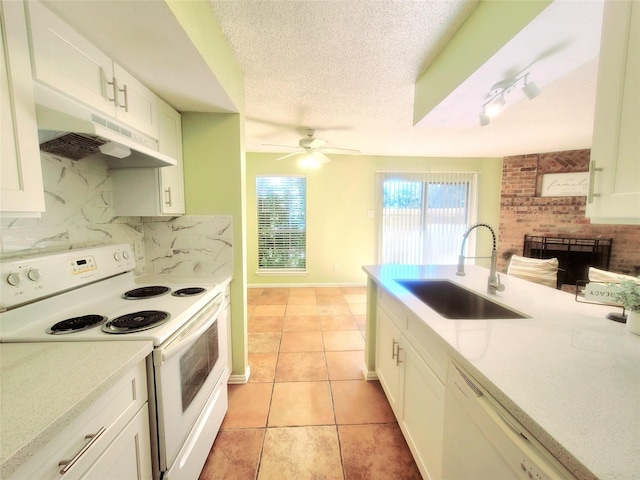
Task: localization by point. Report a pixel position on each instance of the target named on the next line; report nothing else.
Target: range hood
(72, 130)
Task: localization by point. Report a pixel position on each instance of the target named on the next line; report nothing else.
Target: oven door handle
(192, 333)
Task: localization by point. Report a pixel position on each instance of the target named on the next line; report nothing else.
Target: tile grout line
(329, 382)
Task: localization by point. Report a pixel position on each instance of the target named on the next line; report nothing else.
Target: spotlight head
(494, 107)
(531, 90)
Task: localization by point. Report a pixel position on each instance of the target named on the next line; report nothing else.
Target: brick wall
(524, 211)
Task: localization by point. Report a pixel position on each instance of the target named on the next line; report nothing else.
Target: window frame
(295, 234)
(427, 180)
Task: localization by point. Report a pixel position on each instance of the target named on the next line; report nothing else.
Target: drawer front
(428, 346)
(129, 455)
(112, 411)
(394, 309)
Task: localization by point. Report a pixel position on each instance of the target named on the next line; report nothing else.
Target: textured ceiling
(348, 69)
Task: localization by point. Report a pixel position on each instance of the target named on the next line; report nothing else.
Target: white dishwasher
(482, 441)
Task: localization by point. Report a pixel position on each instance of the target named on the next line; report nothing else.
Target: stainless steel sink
(455, 302)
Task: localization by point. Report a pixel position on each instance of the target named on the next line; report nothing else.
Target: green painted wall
(214, 162)
(339, 195)
(214, 185)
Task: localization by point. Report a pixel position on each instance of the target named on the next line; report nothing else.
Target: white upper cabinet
(65, 60)
(21, 172)
(153, 192)
(137, 106)
(170, 143)
(614, 187)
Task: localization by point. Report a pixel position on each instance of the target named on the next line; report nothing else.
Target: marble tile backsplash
(188, 245)
(79, 213)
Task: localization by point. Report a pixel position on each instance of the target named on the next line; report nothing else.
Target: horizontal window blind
(422, 216)
(282, 234)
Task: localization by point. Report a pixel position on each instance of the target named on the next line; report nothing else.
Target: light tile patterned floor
(307, 412)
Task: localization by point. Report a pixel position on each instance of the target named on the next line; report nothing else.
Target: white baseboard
(240, 379)
(369, 374)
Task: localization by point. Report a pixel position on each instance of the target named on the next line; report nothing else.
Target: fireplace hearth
(575, 255)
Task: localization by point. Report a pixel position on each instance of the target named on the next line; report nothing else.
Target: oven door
(187, 370)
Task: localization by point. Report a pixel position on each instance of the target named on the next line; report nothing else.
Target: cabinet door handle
(124, 90)
(398, 361)
(112, 84)
(168, 192)
(93, 438)
(394, 352)
(592, 176)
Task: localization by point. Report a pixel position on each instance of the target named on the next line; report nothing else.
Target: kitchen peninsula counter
(44, 386)
(568, 374)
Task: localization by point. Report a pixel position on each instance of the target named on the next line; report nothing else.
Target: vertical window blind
(282, 234)
(422, 216)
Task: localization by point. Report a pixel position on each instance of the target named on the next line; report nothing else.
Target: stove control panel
(83, 265)
(26, 279)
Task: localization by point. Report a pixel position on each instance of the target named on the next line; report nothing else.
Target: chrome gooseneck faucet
(493, 283)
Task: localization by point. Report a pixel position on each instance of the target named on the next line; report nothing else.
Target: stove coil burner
(145, 292)
(188, 292)
(75, 324)
(136, 322)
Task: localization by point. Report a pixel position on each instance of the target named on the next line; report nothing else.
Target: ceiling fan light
(484, 119)
(309, 161)
(494, 107)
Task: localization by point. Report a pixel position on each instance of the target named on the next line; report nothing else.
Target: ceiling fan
(313, 149)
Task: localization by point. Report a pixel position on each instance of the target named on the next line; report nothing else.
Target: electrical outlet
(336, 267)
(370, 213)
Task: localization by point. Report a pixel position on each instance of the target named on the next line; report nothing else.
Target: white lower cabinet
(108, 440)
(387, 364)
(128, 455)
(423, 414)
(415, 392)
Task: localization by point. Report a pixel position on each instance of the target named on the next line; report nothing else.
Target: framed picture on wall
(565, 184)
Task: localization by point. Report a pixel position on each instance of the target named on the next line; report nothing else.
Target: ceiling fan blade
(316, 143)
(345, 151)
(280, 146)
(321, 157)
(289, 155)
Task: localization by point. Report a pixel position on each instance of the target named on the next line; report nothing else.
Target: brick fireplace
(524, 212)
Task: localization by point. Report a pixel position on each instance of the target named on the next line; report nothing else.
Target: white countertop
(567, 374)
(44, 386)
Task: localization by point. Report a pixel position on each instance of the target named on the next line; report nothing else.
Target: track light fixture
(496, 101)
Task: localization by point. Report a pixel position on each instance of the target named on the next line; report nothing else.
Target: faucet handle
(499, 286)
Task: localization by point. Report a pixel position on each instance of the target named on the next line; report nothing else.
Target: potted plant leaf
(627, 293)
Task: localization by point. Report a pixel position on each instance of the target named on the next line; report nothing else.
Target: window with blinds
(423, 216)
(282, 234)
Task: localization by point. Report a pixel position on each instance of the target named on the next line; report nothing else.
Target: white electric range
(92, 295)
